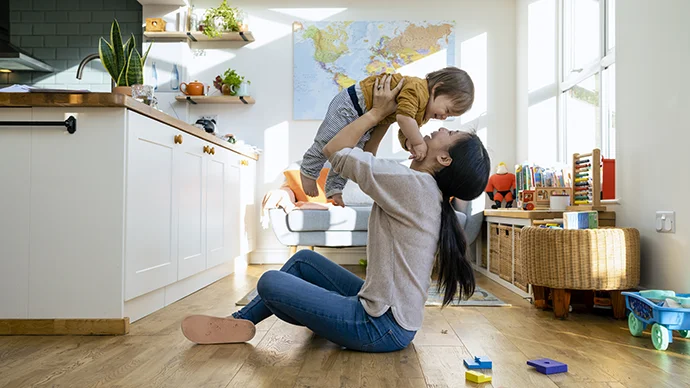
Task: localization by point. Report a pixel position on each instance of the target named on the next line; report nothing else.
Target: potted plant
(230, 84)
(122, 61)
(219, 20)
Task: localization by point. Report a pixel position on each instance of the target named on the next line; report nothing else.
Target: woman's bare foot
(205, 330)
(309, 186)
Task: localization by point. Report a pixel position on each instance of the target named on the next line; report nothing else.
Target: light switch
(665, 222)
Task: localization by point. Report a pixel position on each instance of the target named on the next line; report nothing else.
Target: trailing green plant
(227, 17)
(122, 61)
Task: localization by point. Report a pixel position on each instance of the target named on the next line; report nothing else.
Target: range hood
(12, 57)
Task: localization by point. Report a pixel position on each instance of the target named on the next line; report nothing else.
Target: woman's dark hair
(465, 178)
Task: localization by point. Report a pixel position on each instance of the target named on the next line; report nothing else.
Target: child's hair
(465, 178)
(454, 83)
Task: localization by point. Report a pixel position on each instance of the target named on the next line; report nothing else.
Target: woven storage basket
(505, 270)
(590, 259)
(494, 252)
(520, 279)
(484, 253)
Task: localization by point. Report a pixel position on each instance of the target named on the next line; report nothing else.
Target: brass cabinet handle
(213, 150)
(244, 162)
(206, 150)
(178, 139)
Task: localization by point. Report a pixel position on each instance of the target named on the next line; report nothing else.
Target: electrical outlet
(665, 222)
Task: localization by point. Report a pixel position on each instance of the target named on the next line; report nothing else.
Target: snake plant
(123, 62)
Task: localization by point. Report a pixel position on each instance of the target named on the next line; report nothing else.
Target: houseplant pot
(127, 90)
(220, 19)
(122, 61)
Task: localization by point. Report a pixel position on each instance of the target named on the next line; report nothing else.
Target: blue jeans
(312, 291)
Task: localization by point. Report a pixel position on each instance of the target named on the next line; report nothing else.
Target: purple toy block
(548, 366)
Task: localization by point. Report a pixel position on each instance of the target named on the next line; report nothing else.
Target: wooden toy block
(477, 363)
(548, 366)
(477, 377)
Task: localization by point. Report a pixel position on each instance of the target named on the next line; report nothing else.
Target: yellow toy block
(477, 377)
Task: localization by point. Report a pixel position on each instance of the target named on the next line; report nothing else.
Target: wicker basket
(495, 245)
(484, 253)
(590, 259)
(520, 279)
(505, 270)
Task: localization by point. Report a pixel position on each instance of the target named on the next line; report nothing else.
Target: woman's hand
(384, 98)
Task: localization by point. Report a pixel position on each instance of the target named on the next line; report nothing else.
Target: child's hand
(338, 200)
(418, 151)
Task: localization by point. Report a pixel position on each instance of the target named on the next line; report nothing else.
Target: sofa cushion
(294, 181)
(350, 218)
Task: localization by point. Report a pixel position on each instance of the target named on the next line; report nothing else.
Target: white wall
(653, 107)
(268, 63)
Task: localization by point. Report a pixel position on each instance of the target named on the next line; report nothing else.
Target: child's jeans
(312, 291)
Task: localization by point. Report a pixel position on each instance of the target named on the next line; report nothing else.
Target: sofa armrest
(473, 225)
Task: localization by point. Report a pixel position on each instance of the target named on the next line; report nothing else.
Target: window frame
(607, 57)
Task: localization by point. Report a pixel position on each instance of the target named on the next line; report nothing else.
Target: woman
(412, 229)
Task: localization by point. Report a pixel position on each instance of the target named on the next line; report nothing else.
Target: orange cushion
(294, 180)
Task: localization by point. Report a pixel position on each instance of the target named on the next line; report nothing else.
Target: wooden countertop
(537, 214)
(112, 100)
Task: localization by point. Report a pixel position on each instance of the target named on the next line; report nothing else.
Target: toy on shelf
(503, 182)
(608, 178)
(648, 311)
(548, 366)
(586, 194)
(477, 363)
(539, 198)
(537, 185)
(581, 220)
(477, 377)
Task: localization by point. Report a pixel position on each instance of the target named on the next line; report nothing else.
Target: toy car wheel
(635, 325)
(684, 333)
(660, 337)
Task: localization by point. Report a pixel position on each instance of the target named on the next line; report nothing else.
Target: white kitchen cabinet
(151, 211)
(198, 191)
(132, 212)
(191, 173)
(247, 205)
(15, 169)
(218, 203)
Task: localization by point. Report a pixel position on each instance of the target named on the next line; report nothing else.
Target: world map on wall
(331, 56)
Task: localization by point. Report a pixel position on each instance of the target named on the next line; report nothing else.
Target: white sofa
(346, 227)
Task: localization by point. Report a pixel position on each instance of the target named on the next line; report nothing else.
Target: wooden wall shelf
(216, 99)
(196, 36)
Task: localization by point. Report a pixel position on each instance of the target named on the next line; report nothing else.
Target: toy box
(581, 220)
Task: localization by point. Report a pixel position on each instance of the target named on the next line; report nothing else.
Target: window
(587, 84)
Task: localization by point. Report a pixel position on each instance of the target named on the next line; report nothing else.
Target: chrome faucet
(83, 63)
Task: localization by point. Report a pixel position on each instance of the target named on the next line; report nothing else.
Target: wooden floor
(599, 351)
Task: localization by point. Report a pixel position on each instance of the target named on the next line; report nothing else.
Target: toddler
(443, 93)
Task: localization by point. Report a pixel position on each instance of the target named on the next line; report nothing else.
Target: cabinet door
(232, 224)
(150, 260)
(217, 206)
(248, 212)
(15, 190)
(191, 172)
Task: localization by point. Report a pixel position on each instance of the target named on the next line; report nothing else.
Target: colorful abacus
(586, 194)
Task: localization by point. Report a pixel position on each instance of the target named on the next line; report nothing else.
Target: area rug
(481, 297)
